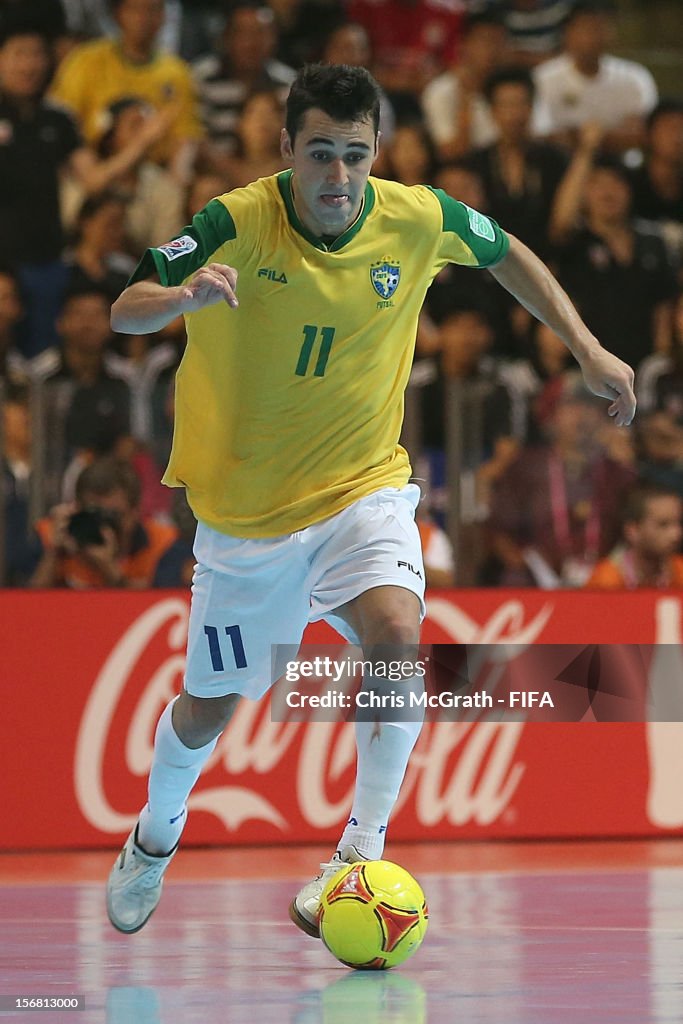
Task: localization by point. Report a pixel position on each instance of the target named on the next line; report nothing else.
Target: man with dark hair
(520, 174)
(617, 271)
(649, 552)
(38, 144)
(457, 112)
(289, 402)
(242, 64)
(586, 83)
(658, 182)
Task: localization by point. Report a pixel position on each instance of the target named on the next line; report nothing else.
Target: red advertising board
(86, 675)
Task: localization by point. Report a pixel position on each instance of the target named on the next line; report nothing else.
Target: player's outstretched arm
(147, 306)
(526, 277)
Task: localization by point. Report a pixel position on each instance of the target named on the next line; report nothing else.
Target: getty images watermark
(494, 682)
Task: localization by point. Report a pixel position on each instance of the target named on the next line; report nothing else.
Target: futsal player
(289, 403)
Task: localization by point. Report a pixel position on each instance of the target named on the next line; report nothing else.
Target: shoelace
(331, 864)
(150, 877)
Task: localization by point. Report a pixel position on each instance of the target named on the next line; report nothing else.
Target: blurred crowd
(120, 119)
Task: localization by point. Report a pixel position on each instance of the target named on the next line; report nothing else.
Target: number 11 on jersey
(310, 338)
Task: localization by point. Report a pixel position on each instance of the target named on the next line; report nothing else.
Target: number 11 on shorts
(215, 652)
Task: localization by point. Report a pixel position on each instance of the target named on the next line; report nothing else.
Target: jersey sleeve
(211, 229)
(469, 237)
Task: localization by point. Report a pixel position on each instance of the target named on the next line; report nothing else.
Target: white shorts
(250, 594)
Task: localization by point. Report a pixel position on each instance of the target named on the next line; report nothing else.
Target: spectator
(410, 157)
(302, 28)
(243, 64)
(465, 339)
(412, 41)
(258, 146)
(38, 143)
(520, 175)
(98, 258)
(20, 549)
(658, 183)
(659, 378)
(616, 272)
(534, 29)
(659, 447)
(154, 200)
(87, 409)
(456, 110)
(100, 540)
(350, 44)
(647, 555)
(144, 359)
(98, 73)
(585, 83)
(569, 518)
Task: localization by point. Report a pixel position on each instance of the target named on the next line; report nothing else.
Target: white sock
(383, 750)
(175, 769)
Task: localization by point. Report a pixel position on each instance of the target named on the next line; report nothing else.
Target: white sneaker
(305, 907)
(134, 886)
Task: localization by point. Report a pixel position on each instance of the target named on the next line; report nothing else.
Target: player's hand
(211, 284)
(607, 376)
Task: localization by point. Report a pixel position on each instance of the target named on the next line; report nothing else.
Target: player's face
(331, 162)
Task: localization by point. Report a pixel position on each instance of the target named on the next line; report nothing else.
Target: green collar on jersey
(284, 181)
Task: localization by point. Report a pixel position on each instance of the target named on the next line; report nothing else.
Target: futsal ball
(373, 915)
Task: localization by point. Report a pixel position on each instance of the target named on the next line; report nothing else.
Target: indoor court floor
(520, 933)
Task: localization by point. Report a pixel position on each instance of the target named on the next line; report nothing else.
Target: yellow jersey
(289, 408)
(96, 74)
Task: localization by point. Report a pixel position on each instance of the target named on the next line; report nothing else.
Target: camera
(85, 526)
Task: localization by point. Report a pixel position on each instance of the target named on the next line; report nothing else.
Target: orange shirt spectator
(100, 541)
(652, 535)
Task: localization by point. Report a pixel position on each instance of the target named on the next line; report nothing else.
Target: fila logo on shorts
(178, 247)
(407, 565)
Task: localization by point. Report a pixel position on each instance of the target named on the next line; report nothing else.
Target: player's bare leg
(185, 739)
(387, 620)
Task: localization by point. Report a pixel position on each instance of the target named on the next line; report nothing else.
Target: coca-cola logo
(459, 773)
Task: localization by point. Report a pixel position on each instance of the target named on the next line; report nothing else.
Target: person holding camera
(100, 540)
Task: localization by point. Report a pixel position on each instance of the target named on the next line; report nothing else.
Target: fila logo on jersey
(272, 275)
(407, 565)
(178, 247)
(385, 275)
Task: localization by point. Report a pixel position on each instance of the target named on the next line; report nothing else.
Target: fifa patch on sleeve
(480, 224)
(179, 247)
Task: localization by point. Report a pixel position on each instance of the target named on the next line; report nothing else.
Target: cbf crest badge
(385, 275)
